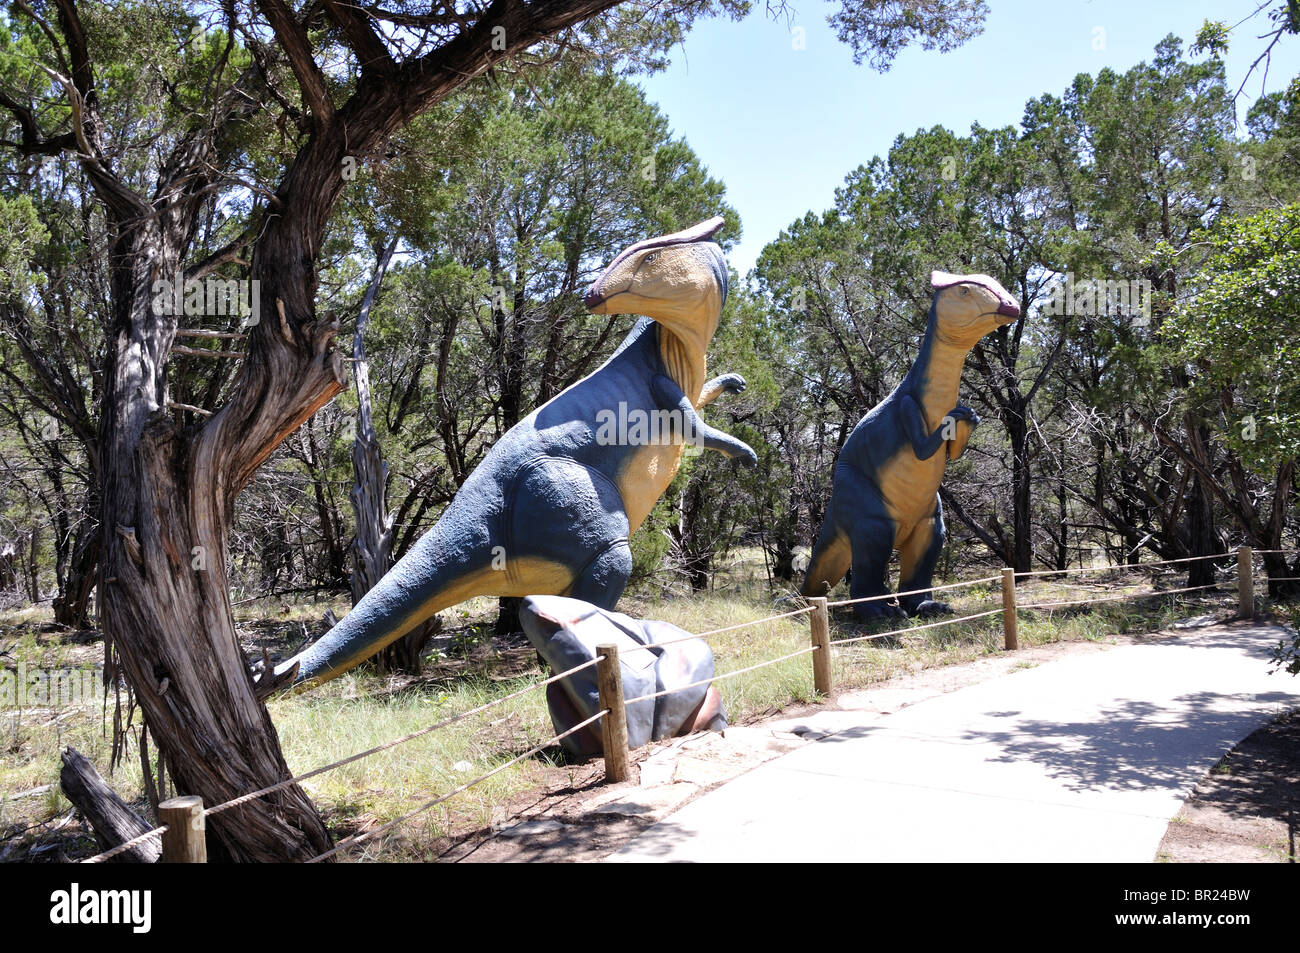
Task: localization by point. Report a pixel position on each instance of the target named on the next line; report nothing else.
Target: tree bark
(694, 553)
(72, 604)
(110, 817)
(1202, 540)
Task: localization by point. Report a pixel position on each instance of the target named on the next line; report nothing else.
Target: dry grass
(360, 710)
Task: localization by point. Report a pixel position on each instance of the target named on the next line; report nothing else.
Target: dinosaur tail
(449, 564)
(829, 562)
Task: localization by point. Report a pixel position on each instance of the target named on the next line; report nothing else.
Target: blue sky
(782, 126)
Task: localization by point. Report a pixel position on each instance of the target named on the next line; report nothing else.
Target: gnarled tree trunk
(167, 491)
(77, 583)
(168, 495)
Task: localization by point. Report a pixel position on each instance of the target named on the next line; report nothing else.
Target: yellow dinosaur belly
(908, 486)
(644, 477)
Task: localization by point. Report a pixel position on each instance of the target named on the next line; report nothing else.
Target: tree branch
(988, 539)
(293, 40)
(371, 52)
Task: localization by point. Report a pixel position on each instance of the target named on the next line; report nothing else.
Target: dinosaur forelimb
(669, 396)
(725, 383)
(924, 444)
(962, 428)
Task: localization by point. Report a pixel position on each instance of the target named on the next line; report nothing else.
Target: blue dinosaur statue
(567, 632)
(551, 507)
(885, 495)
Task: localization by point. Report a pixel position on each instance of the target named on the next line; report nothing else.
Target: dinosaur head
(967, 307)
(680, 280)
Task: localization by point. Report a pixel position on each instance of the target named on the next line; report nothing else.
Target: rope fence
(362, 838)
(461, 716)
(183, 835)
(289, 782)
(916, 628)
(1122, 595)
(649, 646)
(1119, 567)
(123, 847)
(913, 592)
(718, 678)
(743, 625)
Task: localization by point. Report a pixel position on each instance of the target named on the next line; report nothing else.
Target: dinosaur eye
(651, 257)
(965, 291)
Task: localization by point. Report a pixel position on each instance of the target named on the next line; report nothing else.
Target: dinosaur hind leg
(602, 581)
(918, 555)
(873, 543)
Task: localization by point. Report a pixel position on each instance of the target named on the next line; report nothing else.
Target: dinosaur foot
(930, 607)
(877, 611)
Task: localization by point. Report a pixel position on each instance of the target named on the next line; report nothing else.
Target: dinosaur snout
(1009, 308)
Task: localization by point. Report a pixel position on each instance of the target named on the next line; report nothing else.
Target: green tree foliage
(877, 32)
(1090, 188)
(1241, 329)
(1238, 330)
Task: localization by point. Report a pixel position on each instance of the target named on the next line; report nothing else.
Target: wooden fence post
(1009, 609)
(185, 840)
(1245, 582)
(821, 638)
(609, 680)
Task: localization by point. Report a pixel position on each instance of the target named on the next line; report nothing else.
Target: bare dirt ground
(1247, 808)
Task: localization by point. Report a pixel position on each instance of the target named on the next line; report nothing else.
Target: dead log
(110, 818)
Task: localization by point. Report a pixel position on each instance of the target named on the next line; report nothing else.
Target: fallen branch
(109, 816)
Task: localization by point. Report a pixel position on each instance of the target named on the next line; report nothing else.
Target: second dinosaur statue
(551, 507)
(885, 495)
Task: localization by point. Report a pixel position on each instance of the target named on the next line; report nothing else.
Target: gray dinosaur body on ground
(567, 632)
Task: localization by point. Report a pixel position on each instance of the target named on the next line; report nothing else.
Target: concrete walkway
(1081, 759)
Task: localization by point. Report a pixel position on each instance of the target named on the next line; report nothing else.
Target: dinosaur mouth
(696, 233)
(1010, 310)
(593, 298)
